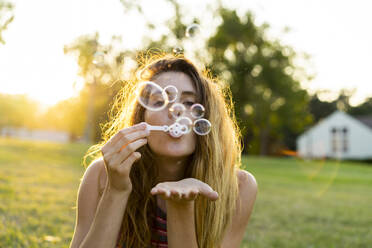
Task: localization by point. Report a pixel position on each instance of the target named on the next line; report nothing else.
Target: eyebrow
(192, 93)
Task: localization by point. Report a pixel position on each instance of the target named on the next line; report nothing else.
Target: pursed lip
(173, 136)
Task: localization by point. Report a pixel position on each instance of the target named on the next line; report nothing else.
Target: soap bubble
(178, 50)
(98, 58)
(171, 92)
(151, 96)
(192, 30)
(186, 124)
(177, 110)
(197, 110)
(202, 126)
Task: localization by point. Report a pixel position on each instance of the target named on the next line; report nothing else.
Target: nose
(177, 113)
(174, 114)
(169, 114)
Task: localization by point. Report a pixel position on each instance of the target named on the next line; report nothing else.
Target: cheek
(155, 118)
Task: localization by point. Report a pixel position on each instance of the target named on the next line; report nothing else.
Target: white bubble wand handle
(176, 130)
(163, 128)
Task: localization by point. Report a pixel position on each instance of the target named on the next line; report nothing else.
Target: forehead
(178, 79)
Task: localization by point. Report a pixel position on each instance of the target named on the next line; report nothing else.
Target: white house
(338, 136)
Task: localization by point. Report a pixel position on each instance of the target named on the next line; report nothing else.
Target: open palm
(184, 190)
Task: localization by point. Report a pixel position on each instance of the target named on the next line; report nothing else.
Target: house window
(345, 139)
(334, 140)
(340, 139)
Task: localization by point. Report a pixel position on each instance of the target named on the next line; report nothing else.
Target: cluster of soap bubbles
(154, 98)
(192, 31)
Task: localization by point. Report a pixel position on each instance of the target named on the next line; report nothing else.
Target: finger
(209, 193)
(176, 195)
(114, 139)
(129, 149)
(193, 194)
(166, 194)
(164, 189)
(154, 191)
(129, 138)
(127, 164)
(159, 191)
(213, 195)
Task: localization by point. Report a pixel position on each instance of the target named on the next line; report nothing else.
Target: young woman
(150, 189)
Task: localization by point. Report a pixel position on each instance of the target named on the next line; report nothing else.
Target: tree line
(270, 105)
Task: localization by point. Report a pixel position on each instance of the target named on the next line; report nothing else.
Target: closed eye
(158, 103)
(188, 103)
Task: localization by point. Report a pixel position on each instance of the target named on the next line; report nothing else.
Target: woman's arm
(180, 198)
(101, 228)
(105, 228)
(181, 225)
(97, 214)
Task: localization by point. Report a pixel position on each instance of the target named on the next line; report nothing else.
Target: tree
(6, 17)
(268, 99)
(364, 108)
(18, 111)
(100, 66)
(321, 109)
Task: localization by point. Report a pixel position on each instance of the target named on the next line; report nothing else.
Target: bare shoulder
(246, 177)
(246, 180)
(247, 194)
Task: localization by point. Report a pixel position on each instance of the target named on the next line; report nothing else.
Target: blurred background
(302, 93)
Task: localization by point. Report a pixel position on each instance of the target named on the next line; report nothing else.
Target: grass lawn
(299, 204)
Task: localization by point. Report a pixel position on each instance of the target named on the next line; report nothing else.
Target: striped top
(159, 230)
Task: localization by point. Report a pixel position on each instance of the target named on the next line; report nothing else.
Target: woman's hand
(119, 154)
(185, 190)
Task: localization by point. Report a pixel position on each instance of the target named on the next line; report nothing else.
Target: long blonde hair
(215, 161)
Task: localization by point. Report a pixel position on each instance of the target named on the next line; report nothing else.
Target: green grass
(299, 204)
(310, 204)
(38, 186)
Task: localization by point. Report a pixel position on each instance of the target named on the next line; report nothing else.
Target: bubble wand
(150, 94)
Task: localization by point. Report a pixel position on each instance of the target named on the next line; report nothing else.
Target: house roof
(366, 119)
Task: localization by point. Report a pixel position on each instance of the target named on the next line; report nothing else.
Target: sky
(336, 34)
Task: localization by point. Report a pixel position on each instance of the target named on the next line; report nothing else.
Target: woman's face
(161, 143)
